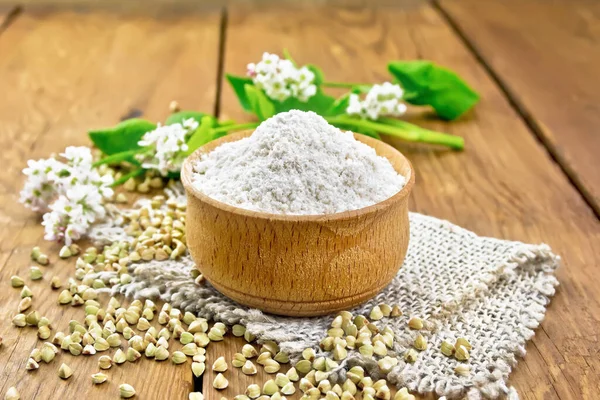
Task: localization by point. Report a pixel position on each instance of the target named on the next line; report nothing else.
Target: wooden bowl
(298, 265)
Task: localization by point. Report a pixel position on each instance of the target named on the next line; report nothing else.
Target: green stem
(238, 127)
(127, 177)
(287, 55)
(403, 130)
(118, 157)
(227, 122)
(343, 84)
(201, 136)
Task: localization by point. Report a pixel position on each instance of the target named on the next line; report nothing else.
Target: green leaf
(174, 175)
(217, 135)
(319, 76)
(426, 83)
(181, 116)
(238, 84)
(339, 106)
(319, 103)
(122, 137)
(202, 135)
(260, 103)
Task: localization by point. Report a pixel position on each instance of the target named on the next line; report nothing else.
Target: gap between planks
(199, 45)
(221, 62)
(521, 110)
(8, 17)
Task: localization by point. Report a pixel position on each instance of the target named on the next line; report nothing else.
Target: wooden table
(530, 171)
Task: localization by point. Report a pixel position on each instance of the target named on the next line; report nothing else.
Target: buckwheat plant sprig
(281, 79)
(70, 191)
(275, 85)
(156, 149)
(167, 146)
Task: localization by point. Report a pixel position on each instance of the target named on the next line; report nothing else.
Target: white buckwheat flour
(296, 163)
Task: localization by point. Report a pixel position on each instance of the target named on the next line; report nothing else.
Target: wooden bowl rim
(187, 171)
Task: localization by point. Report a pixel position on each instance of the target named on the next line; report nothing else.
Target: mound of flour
(296, 163)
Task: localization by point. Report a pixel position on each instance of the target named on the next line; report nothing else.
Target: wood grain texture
(549, 66)
(298, 265)
(6, 11)
(61, 74)
(503, 185)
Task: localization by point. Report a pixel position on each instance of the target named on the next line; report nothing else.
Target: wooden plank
(61, 74)
(7, 10)
(503, 185)
(549, 66)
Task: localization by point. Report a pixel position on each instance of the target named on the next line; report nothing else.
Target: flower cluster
(381, 101)
(280, 79)
(167, 145)
(70, 192)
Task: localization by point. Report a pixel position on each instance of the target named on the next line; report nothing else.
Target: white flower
(39, 187)
(77, 189)
(72, 213)
(190, 124)
(90, 200)
(78, 155)
(280, 79)
(381, 101)
(81, 171)
(354, 105)
(66, 221)
(168, 145)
